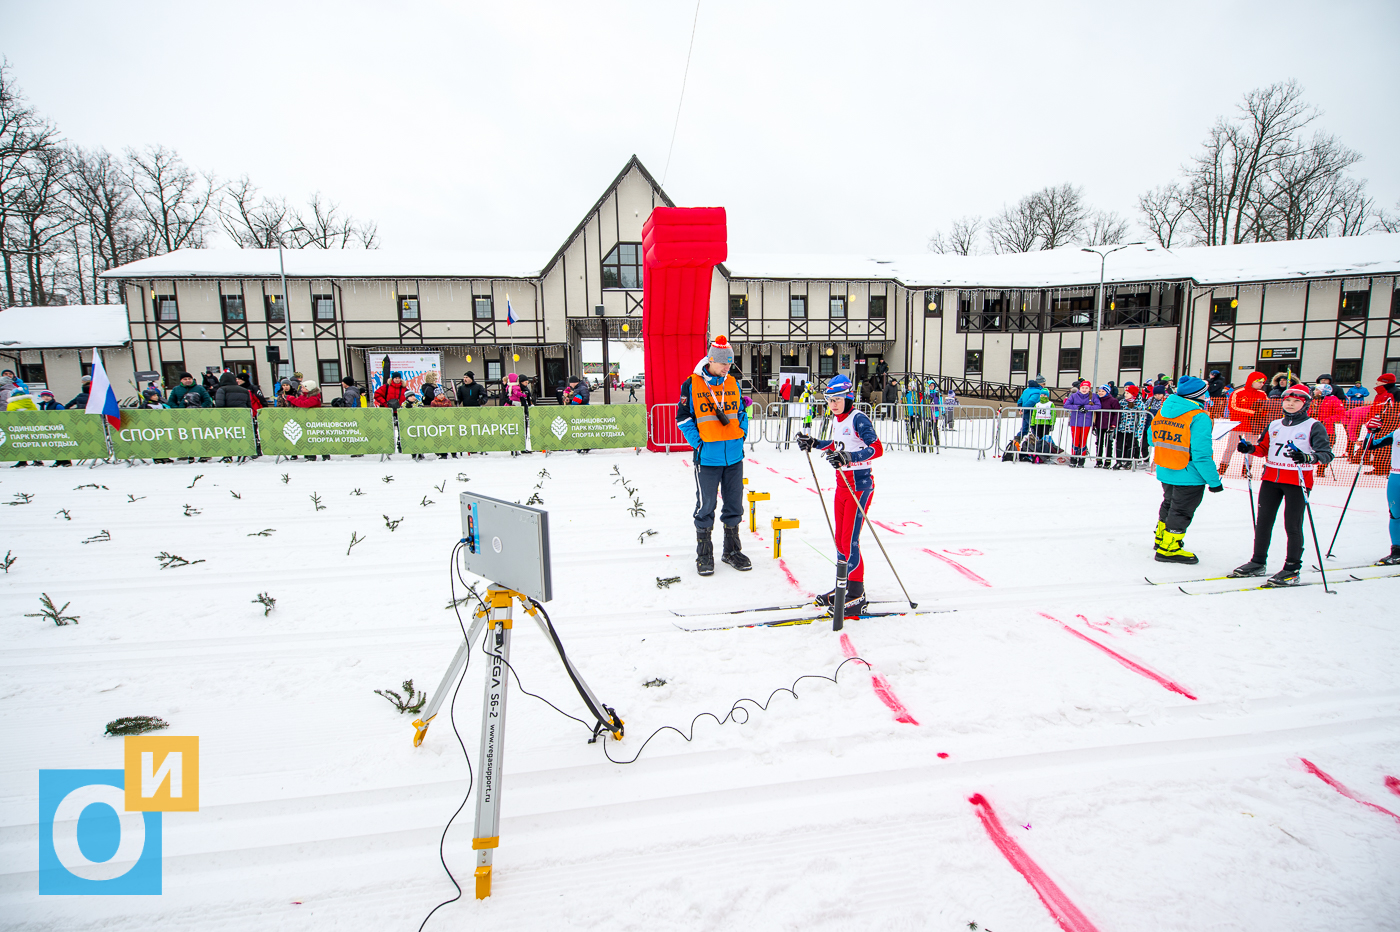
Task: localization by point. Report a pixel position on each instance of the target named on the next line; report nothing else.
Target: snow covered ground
(1150, 810)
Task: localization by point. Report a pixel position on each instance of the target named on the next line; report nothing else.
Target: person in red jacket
(310, 397)
(393, 393)
(1246, 408)
(1385, 412)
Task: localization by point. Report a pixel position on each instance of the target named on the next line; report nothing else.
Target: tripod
(499, 624)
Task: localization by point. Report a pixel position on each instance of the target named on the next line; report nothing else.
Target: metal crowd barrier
(662, 429)
(934, 428)
(1115, 439)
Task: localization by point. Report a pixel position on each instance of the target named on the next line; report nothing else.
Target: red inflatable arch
(680, 246)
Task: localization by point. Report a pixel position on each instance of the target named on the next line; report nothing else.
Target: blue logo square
(88, 843)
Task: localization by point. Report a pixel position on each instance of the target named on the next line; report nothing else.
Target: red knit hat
(1297, 391)
(1386, 378)
(1131, 391)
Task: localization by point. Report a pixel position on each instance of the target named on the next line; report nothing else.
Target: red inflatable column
(681, 246)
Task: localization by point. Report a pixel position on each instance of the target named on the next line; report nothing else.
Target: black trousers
(712, 482)
(1179, 504)
(1270, 495)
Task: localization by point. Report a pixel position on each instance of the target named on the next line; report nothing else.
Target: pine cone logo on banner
(560, 427)
(292, 431)
(2, 438)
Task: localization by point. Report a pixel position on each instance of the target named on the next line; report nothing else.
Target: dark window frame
(1223, 310)
(826, 366)
(1392, 365)
(318, 301)
(932, 297)
(1346, 371)
(794, 302)
(334, 379)
(1073, 312)
(486, 313)
(1068, 354)
(621, 268)
(739, 307)
(836, 306)
(272, 305)
(170, 370)
(972, 361)
(159, 303)
(497, 367)
(878, 307)
(407, 313)
(27, 373)
(227, 299)
(1025, 356)
(1354, 305)
(1125, 362)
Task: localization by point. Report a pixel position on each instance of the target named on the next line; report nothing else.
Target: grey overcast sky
(821, 127)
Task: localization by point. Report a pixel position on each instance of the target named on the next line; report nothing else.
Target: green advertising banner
(148, 433)
(316, 431)
(51, 435)
(588, 427)
(459, 430)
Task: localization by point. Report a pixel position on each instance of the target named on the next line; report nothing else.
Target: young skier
(1181, 441)
(852, 447)
(1292, 447)
(1392, 487)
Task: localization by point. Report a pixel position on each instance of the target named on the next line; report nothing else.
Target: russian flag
(101, 399)
(510, 312)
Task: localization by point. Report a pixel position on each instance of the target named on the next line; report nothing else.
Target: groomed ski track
(821, 813)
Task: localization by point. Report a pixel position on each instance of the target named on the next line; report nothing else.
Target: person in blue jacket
(1183, 450)
(1028, 400)
(711, 415)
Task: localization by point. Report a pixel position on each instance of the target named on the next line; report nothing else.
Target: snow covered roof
(55, 327)
(1352, 256)
(333, 263)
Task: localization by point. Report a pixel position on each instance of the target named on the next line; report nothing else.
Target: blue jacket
(722, 453)
(1201, 468)
(1030, 397)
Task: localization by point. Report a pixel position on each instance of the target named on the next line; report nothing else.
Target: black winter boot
(1391, 560)
(1288, 576)
(1249, 569)
(704, 552)
(855, 592)
(733, 555)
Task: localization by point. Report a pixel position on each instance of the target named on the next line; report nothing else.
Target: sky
(820, 127)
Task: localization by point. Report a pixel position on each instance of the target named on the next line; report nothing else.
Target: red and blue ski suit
(857, 481)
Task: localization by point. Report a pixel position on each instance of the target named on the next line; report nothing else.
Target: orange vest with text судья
(704, 397)
(1171, 439)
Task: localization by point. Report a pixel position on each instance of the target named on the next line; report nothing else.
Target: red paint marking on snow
(881, 686)
(754, 461)
(685, 463)
(943, 755)
(1336, 785)
(1130, 664)
(792, 480)
(1104, 626)
(791, 578)
(886, 526)
(1066, 914)
(1392, 784)
(963, 552)
(959, 567)
(907, 523)
(772, 470)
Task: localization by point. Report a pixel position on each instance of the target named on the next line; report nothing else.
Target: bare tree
(101, 194)
(1016, 229)
(174, 200)
(1060, 214)
(1306, 194)
(1105, 227)
(1163, 209)
(257, 222)
(23, 135)
(1387, 222)
(40, 222)
(324, 228)
(961, 239)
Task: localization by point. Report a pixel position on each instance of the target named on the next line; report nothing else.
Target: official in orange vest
(1182, 450)
(712, 416)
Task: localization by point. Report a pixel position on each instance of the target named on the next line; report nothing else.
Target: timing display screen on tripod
(507, 544)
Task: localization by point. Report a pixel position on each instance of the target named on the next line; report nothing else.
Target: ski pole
(1365, 440)
(1307, 505)
(822, 499)
(1249, 480)
(856, 498)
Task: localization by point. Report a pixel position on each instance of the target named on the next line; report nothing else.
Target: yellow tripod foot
(420, 728)
(483, 882)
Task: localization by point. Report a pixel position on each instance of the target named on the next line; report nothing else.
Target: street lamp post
(1098, 314)
(286, 317)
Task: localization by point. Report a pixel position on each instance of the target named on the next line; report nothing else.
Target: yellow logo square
(162, 773)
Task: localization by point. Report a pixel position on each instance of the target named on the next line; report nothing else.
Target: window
(1346, 371)
(788, 359)
(622, 268)
(1355, 305)
(739, 306)
(170, 371)
(323, 306)
(330, 372)
(166, 308)
(1072, 312)
(276, 308)
(1019, 358)
(493, 370)
(232, 306)
(1069, 359)
(408, 307)
(972, 362)
(284, 370)
(1395, 304)
(1222, 310)
(1130, 357)
(838, 307)
(797, 307)
(1392, 366)
(931, 305)
(483, 307)
(826, 366)
(32, 372)
(877, 307)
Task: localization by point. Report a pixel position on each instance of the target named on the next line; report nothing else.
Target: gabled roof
(632, 163)
(64, 327)
(330, 263)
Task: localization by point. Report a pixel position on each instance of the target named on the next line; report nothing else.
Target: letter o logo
(65, 833)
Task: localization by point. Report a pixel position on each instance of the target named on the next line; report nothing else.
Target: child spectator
(1106, 428)
(1082, 407)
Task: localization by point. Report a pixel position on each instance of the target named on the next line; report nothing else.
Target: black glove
(1244, 446)
(1217, 488)
(1299, 457)
(805, 442)
(838, 457)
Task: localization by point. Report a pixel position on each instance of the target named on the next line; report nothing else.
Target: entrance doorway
(555, 371)
(1272, 367)
(866, 365)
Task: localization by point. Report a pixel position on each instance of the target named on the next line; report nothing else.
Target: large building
(988, 322)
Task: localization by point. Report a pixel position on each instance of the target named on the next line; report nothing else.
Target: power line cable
(684, 77)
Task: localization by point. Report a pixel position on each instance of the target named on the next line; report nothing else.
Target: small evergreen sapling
(135, 725)
(132, 498)
(642, 537)
(64, 512)
(53, 614)
(234, 494)
(21, 498)
(443, 487)
(196, 479)
(411, 701)
(667, 583)
(463, 477)
(356, 492)
(387, 479)
(355, 538)
(265, 532)
(9, 561)
(286, 477)
(392, 525)
(99, 538)
(191, 511)
(316, 500)
(167, 560)
(268, 603)
(89, 485)
(426, 502)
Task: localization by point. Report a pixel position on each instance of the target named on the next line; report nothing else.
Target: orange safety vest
(1171, 439)
(703, 399)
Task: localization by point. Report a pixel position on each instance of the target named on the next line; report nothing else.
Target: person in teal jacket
(1184, 487)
